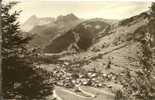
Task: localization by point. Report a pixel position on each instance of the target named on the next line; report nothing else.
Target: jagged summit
(33, 21)
(47, 28)
(65, 18)
(33, 17)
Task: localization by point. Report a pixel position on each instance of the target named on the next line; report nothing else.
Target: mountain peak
(33, 17)
(72, 16)
(65, 18)
(34, 21)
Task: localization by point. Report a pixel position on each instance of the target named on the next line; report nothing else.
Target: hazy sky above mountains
(82, 9)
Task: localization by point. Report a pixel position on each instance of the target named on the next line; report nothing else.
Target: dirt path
(56, 96)
(93, 90)
(70, 92)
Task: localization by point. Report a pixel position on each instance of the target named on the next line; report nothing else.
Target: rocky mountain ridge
(33, 21)
(80, 37)
(44, 33)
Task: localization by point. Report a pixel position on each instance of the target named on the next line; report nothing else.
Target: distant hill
(81, 37)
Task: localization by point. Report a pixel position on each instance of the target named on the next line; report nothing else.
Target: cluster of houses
(62, 76)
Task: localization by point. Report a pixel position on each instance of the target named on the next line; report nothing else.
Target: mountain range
(44, 30)
(72, 34)
(54, 35)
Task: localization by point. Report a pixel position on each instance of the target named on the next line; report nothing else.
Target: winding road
(61, 93)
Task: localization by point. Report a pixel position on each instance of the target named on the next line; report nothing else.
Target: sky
(84, 9)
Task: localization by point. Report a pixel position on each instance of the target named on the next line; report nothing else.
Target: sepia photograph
(77, 50)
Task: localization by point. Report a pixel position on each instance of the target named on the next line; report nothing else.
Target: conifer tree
(21, 80)
(153, 7)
